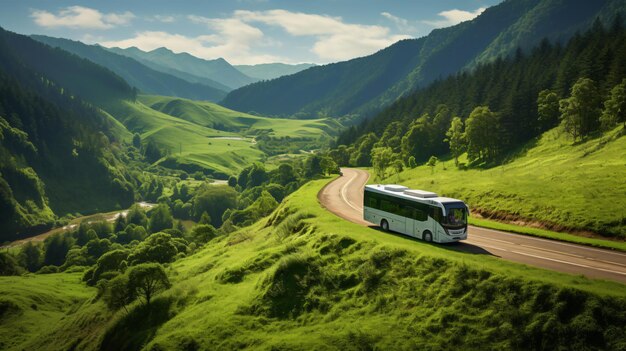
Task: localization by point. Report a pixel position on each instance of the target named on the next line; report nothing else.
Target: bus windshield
(456, 215)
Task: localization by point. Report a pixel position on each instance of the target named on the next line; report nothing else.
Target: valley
(192, 176)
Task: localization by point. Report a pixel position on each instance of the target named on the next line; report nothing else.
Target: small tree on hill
(548, 108)
(117, 293)
(615, 107)
(432, 162)
(412, 163)
(456, 139)
(381, 160)
(580, 111)
(482, 133)
(146, 280)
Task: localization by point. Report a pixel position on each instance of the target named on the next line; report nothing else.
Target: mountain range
(360, 87)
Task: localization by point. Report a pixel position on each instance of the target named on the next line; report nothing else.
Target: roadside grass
(304, 278)
(554, 183)
(548, 234)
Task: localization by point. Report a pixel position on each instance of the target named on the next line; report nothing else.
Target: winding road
(344, 197)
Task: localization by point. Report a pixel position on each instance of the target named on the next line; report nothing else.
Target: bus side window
(436, 214)
(420, 215)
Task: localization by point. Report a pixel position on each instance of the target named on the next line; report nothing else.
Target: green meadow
(205, 136)
(303, 278)
(552, 184)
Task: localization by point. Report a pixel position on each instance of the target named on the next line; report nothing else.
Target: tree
(615, 107)
(117, 293)
(158, 247)
(412, 163)
(232, 181)
(482, 132)
(137, 141)
(205, 218)
(547, 108)
(456, 139)
(31, 256)
(203, 233)
(120, 223)
(432, 162)
(136, 215)
(214, 200)
(580, 111)
(286, 174)
(161, 218)
(9, 265)
(381, 160)
(398, 166)
(147, 280)
(57, 247)
(328, 165)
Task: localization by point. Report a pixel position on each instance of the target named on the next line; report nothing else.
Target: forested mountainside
(144, 78)
(521, 93)
(357, 88)
(218, 70)
(56, 151)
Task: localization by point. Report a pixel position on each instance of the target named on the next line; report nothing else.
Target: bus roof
(404, 192)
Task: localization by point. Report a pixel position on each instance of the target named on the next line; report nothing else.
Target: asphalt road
(344, 197)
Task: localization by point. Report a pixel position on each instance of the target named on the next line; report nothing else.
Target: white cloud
(239, 40)
(454, 16)
(81, 17)
(335, 40)
(205, 46)
(402, 24)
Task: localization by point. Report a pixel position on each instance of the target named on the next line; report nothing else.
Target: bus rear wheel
(427, 237)
(385, 225)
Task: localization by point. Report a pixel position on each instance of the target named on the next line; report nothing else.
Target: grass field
(553, 184)
(212, 115)
(185, 131)
(306, 279)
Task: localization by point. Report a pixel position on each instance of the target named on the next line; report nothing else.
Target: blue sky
(242, 31)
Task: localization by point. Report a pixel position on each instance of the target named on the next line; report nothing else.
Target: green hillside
(360, 87)
(58, 153)
(219, 117)
(306, 279)
(146, 79)
(205, 136)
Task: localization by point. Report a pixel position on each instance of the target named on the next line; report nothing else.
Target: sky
(242, 31)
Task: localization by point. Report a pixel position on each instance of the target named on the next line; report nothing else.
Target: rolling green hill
(218, 117)
(205, 136)
(146, 79)
(360, 87)
(306, 279)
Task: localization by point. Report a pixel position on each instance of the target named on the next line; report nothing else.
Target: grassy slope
(187, 125)
(224, 155)
(554, 182)
(36, 304)
(305, 279)
(208, 114)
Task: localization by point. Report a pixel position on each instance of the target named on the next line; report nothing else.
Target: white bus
(417, 213)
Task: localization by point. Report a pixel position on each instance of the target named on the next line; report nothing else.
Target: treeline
(499, 106)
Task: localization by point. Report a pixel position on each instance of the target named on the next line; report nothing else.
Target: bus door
(420, 223)
(409, 219)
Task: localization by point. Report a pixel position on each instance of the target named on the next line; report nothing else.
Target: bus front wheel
(385, 225)
(427, 237)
